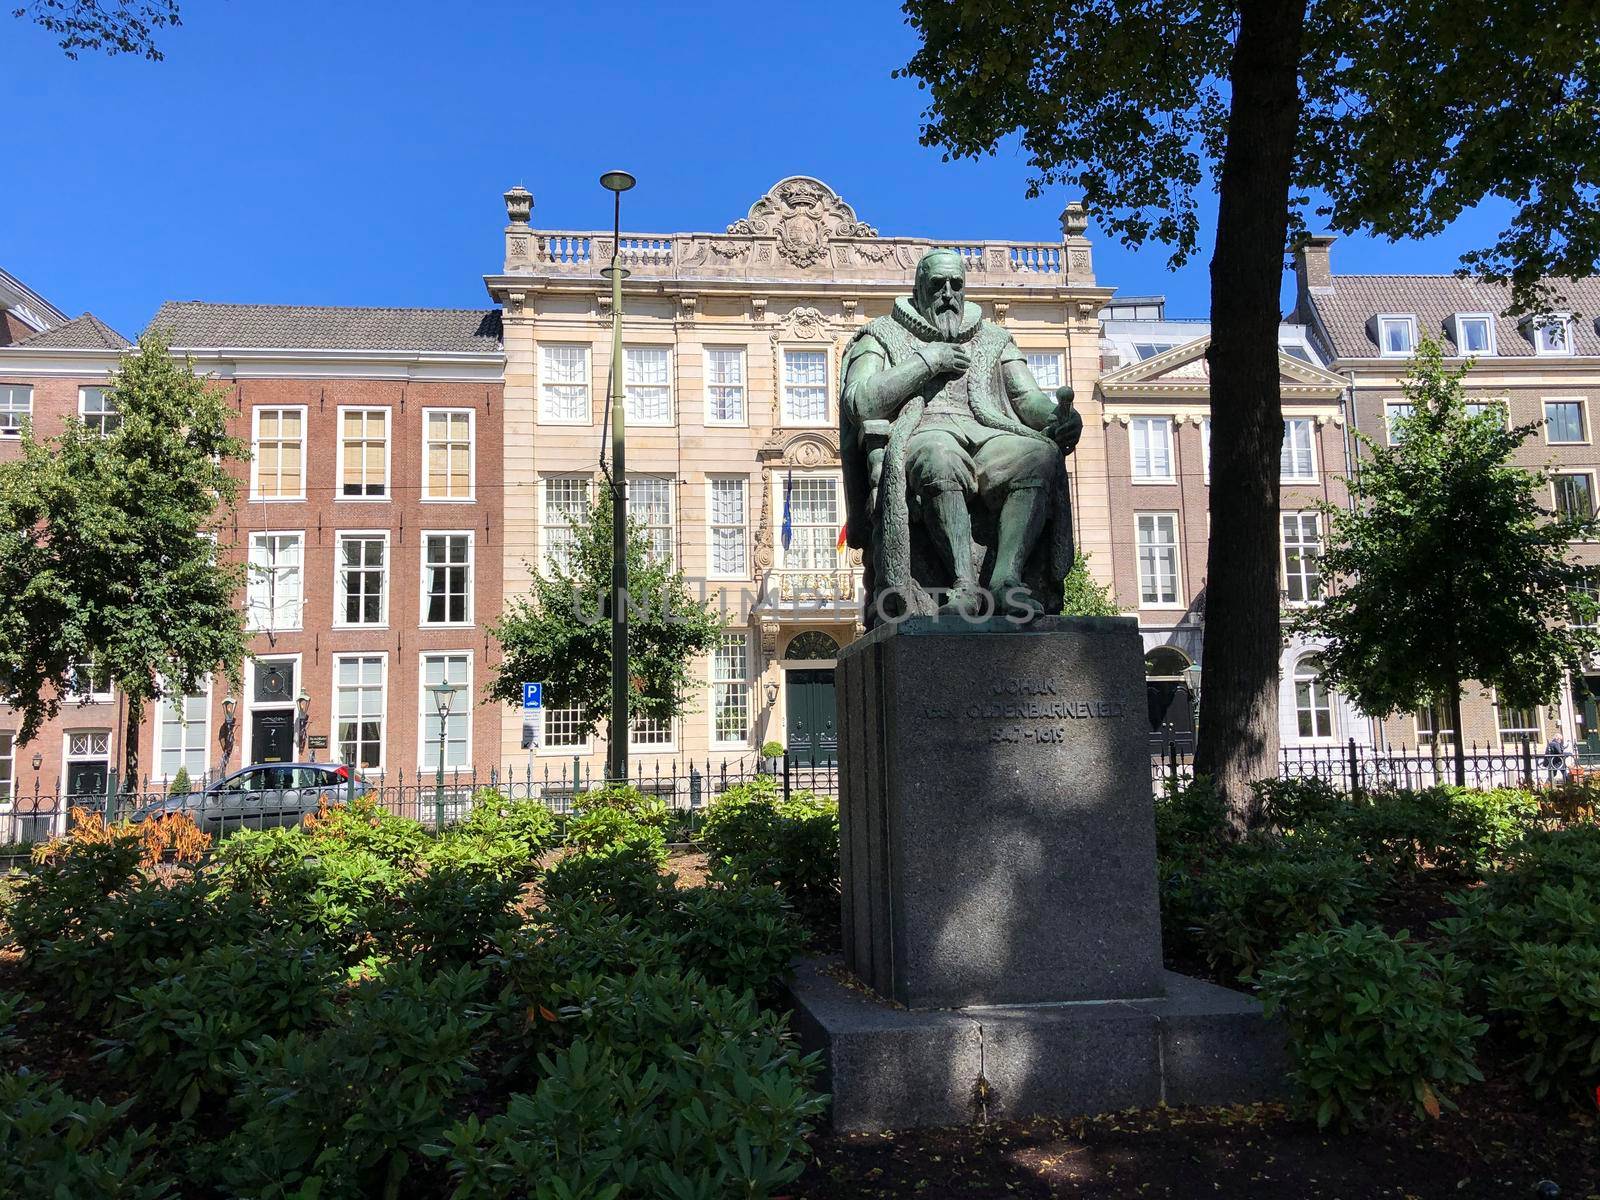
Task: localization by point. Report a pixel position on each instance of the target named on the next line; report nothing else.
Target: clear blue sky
(339, 153)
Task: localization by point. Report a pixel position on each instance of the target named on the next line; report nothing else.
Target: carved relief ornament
(804, 215)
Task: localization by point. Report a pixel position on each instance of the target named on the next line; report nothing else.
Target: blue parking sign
(533, 695)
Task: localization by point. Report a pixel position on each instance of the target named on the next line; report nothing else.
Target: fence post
(1527, 762)
(1355, 769)
(1172, 761)
(786, 776)
(111, 796)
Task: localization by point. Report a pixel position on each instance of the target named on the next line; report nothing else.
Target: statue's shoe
(967, 600)
(1014, 599)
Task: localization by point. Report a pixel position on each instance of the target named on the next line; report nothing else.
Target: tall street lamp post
(443, 695)
(617, 182)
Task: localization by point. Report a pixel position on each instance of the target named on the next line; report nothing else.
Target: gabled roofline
(1140, 378)
(20, 298)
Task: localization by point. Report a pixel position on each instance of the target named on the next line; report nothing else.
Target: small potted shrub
(772, 757)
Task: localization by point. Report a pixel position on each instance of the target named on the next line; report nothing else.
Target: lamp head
(303, 702)
(443, 695)
(617, 181)
(38, 760)
(228, 705)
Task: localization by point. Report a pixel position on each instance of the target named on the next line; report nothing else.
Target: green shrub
(447, 917)
(1248, 904)
(180, 785)
(740, 937)
(1549, 997)
(676, 1088)
(752, 835)
(1375, 1023)
(54, 1145)
(502, 837)
(1457, 830)
(1284, 804)
(64, 892)
(98, 961)
(605, 829)
(13, 1005)
(179, 1030)
(365, 825)
(340, 1114)
(626, 876)
(1191, 820)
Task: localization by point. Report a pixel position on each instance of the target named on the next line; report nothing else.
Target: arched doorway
(812, 707)
(1169, 697)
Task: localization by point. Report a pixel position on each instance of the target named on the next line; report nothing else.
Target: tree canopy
(118, 27)
(109, 546)
(1389, 116)
(1081, 596)
(559, 632)
(1452, 566)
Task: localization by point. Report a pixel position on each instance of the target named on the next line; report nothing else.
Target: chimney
(519, 206)
(1312, 269)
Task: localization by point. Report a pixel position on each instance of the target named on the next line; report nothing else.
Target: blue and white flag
(788, 514)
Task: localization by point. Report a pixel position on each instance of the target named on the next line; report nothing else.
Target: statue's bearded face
(940, 293)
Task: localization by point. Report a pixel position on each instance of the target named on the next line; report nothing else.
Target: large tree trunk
(133, 717)
(1239, 695)
(1461, 742)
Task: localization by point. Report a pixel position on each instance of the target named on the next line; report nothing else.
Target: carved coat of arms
(803, 214)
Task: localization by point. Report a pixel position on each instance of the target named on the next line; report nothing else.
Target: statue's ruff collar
(920, 328)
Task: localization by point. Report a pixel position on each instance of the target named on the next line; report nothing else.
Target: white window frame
(670, 746)
(428, 713)
(1299, 517)
(743, 386)
(633, 418)
(1147, 423)
(784, 419)
(1425, 737)
(107, 409)
(1389, 408)
(1535, 731)
(1594, 501)
(546, 526)
(1503, 403)
(8, 740)
(1205, 449)
(1177, 559)
(68, 758)
(1583, 419)
(12, 411)
(1310, 424)
(546, 413)
(335, 742)
(783, 553)
(1461, 335)
(1563, 321)
(717, 683)
(385, 580)
(472, 582)
(1029, 356)
(255, 452)
(184, 750)
(367, 410)
(105, 696)
(712, 525)
(565, 750)
(649, 529)
(472, 456)
(251, 609)
(1409, 321)
(1314, 679)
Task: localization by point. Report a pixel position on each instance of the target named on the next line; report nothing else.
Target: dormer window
(1474, 333)
(1552, 334)
(1397, 335)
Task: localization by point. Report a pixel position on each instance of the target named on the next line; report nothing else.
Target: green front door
(813, 718)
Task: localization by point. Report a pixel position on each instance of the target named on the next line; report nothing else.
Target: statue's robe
(885, 522)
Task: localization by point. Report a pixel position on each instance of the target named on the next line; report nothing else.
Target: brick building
(370, 515)
(1541, 368)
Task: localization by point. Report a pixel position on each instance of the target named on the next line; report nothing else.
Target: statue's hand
(1066, 427)
(946, 358)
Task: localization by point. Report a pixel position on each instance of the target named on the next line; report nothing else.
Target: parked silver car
(262, 796)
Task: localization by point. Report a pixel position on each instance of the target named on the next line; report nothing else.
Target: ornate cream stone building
(732, 343)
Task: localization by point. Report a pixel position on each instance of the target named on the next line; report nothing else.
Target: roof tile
(194, 325)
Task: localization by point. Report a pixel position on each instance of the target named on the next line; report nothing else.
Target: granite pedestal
(1002, 933)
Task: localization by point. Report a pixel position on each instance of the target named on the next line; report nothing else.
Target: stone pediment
(805, 215)
(1185, 371)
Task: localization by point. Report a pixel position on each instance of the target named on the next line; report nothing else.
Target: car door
(223, 809)
(313, 785)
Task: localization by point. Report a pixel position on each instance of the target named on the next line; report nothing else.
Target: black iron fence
(687, 785)
(1354, 767)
